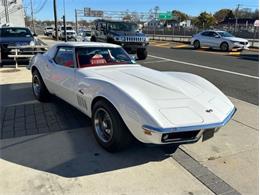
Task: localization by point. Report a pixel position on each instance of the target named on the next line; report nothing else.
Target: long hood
(180, 98)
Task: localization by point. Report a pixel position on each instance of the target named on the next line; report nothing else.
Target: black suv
(121, 33)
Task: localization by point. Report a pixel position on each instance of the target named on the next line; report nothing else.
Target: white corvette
(124, 98)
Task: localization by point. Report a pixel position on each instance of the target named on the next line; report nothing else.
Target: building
(12, 13)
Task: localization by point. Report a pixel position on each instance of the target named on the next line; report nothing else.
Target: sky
(191, 7)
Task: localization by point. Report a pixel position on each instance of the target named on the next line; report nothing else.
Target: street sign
(165, 16)
(93, 13)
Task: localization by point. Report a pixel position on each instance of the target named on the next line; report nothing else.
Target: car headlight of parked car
(118, 38)
(32, 43)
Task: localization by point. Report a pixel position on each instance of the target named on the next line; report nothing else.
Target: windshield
(99, 56)
(122, 26)
(16, 32)
(225, 34)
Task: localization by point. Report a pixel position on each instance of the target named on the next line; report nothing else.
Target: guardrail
(25, 52)
(186, 39)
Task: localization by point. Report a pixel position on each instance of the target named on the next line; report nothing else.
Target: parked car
(48, 30)
(84, 36)
(15, 36)
(125, 99)
(71, 33)
(122, 33)
(218, 40)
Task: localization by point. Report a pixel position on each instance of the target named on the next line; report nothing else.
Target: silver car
(218, 40)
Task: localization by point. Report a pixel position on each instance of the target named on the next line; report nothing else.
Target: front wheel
(224, 46)
(109, 129)
(40, 91)
(142, 54)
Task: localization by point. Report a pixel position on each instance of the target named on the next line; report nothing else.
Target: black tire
(40, 91)
(141, 54)
(93, 39)
(224, 46)
(196, 44)
(118, 136)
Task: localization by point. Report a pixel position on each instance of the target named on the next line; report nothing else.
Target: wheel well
(34, 68)
(224, 42)
(99, 98)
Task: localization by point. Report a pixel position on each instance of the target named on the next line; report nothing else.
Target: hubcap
(224, 47)
(103, 125)
(36, 85)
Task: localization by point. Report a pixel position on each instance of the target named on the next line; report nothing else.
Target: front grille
(134, 39)
(180, 136)
(243, 43)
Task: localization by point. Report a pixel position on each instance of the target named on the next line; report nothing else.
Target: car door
(204, 38)
(61, 74)
(214, 39)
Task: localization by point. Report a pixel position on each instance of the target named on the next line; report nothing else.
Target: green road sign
(165, 16)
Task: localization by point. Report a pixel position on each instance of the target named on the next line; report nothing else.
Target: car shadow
(253, 57)
(55, 137)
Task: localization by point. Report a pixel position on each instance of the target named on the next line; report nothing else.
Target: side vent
(82, 102)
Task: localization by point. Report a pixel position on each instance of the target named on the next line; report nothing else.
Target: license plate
(207, 134)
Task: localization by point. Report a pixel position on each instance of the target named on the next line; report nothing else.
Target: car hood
(180, 99)
(235, 39)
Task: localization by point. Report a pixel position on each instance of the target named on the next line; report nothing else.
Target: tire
(40, 91)
(141, 54)
(224, 46)
(196, 44)
(109, 129)
(93, 39)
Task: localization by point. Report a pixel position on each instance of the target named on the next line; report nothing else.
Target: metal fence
(249, 33)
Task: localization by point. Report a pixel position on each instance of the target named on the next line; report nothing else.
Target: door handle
(81, 92)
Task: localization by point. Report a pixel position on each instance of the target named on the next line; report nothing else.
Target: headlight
(146, 39)
(117, 38)
(32, 43)
(235, 42)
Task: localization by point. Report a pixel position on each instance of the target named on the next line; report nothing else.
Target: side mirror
(35, 35)
(217, 36)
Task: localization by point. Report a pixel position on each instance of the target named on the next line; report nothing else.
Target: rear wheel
(224, 46)
(109, 129)
(40, 91)
(141, 54)
(196, 44)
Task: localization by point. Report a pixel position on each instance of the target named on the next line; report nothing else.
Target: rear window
(98, 56)
(15, 32)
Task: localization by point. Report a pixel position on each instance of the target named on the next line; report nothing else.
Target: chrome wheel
(36, 85)
(103, 125)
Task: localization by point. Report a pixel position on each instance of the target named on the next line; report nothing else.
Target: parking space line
(150, 62)
(205, 67)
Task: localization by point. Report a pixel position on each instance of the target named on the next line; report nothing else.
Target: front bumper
(181, 135)
(240, 46)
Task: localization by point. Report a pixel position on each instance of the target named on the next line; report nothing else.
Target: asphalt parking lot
(52, 149)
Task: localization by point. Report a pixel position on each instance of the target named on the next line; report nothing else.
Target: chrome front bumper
(186, 134)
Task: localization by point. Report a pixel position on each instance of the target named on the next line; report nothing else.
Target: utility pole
(64, 22)
(6, 11)
(32, 16)
(237, 9)
(76, 20)
(55, 19)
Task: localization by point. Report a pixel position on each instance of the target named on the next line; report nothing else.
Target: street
(55, 145)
